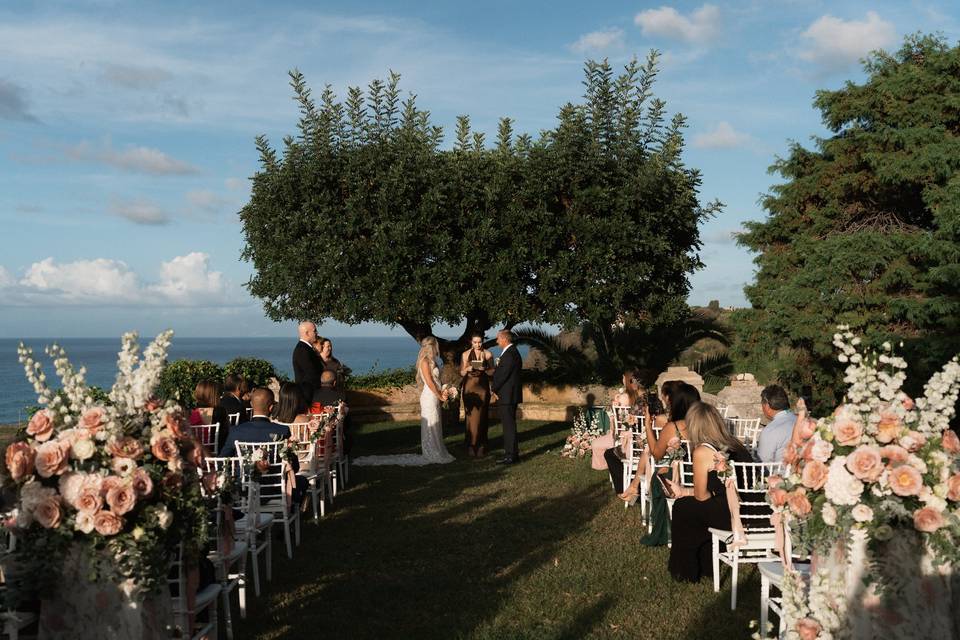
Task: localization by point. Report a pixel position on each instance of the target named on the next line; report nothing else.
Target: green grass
(542, 549)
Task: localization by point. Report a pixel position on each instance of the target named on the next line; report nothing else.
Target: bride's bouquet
(453, 396)
(115, 482)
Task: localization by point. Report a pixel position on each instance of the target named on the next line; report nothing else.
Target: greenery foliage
(865, 230)
(389, 379)
(256, 370)
(595, 220)
(180, 378)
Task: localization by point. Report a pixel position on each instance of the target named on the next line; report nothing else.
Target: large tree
(365, 218)
(865, 229)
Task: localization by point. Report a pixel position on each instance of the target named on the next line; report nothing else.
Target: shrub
(390, 379)
(180, 377)
(257, 371)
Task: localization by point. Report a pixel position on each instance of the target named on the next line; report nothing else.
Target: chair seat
(772, 571)
(755, 537)
(206, 596)
(238, 551)
(264, 520)
(16, 620)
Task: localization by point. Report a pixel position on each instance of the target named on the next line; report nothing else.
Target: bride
(431, 430)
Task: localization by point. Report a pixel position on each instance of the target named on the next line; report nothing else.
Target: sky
(127, 129)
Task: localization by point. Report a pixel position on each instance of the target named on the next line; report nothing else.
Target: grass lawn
(471, 549)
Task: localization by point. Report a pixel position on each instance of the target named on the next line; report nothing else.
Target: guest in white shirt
(774, 438)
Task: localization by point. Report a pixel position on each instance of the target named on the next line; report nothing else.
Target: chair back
(751, 481)
(686, 473)
(273, 481)
(207, 434)
(233, 418)
(723, 409)
(618, 419)
(746, 430)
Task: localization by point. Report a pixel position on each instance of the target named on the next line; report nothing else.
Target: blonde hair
(706, 426)
(429, 349)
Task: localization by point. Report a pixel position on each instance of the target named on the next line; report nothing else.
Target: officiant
(476, 367)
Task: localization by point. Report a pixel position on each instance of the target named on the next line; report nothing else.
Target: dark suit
(506, 384)
(232, 404)
(262, 429)
(307, 367)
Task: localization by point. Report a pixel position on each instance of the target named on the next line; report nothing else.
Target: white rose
(829, 514)
(84, 522)
(83, 449)
(862, 513)
(165, 518)
(138, 533)
(842, 487)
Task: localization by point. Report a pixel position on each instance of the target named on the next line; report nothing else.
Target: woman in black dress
(704, 505)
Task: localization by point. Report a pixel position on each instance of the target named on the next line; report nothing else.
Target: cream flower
(862, 513)
(83, 449)
(842, 487)
(829, 514)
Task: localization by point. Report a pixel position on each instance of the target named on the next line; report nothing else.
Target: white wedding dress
(433, 451)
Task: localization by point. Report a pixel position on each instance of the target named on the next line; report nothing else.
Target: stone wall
(742, 395)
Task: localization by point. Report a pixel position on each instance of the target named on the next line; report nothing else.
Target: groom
(508, 393)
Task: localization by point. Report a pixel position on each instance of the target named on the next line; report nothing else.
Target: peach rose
(865, 463)
(89, 501)
(847, 431)
(894, 453)
(808, 628)
(41, 425)
(907, 403)
(790, 455)
(92, 419)
(164, 448)
(905, 480)
(20, 457)
(107, 523)
(70, 485)
(950, 442)
(125, 447)
(814, 475)
(821, 450)
(774, 481)
(110, 482)
(152, 405)
(912, 441)
(927, 519)
(141, 482)
(888, 429)
(807, 428)
(121, 498)
(778, 497)
(953, 487)
(51, 459)
(47, 512)
(798, 502)
(174, 422)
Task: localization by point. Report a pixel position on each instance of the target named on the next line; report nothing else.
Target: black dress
(690, 552)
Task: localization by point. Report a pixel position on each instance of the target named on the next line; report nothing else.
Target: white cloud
(835, 43)
(130, 76)
(139, 211)
(206, 200)
(185, 281)
(132, 158)
(599, 41)
(701, 26)
(236, 184)
(723, 136)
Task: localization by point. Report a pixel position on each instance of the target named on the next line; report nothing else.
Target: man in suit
(307, 364)
(230, 401)
(508, 393)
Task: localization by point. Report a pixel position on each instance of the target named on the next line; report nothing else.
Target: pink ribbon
(290, 483)
(733, 503)
(780, 538)
(227, 530)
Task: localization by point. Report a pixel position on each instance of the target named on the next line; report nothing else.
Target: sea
(99, 356)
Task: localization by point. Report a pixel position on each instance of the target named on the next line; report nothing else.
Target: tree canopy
(364, 217)
(864, 230)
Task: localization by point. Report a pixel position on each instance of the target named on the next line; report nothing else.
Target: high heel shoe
(629, 497)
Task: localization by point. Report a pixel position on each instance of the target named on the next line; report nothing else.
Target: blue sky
(126, 129)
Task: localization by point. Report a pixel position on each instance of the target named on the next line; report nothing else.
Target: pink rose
(175, 423)
(778, 497)
(107, 523)
(953, 487)
(141, 482)
(125, 447)
(110, 482)
(814, 475)
(847, 431)
(907, 403)
(51, 459)
(774, 481)
(950, 442)
(164, 448)
(927, 519)
(89, 501)
(807, 428)
(821, 450)
(865, 463)
(905, 480)
(912, 441)
(673, 443)
(798, 502)
(808, 628)
(152, 405)
(894, 453)
(790, 455)
(41, 425)
(888, 429)
(70, 485)
(92, 419)
(47, 512)
(121, 498)
(19, 457)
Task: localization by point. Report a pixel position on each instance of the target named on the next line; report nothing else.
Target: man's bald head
(307, 331)
(261, 401)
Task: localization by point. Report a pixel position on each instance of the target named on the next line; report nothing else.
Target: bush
(180, 378)
(257, 371)
(390, 379)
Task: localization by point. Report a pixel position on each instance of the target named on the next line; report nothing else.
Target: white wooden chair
(771, 575)
(686, 480)
(273, 501)
(13, 621)
(315, 461)
(618, 420)
(206, 600)
(632, 454)
(723, 409)
(230, 565)
(685, 445)
(207, 434)
(340, 460)
(755, 512)
(747, 430)
(233, 418)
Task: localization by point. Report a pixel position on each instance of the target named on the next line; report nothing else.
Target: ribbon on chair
(289, 484)
(228, 530)
(192, 584)
(780, 538)
(733, 503)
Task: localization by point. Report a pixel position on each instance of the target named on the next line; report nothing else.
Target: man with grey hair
(307, 365)
(508, 393)
(774, 438)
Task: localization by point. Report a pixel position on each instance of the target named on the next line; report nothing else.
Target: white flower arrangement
(582, 434)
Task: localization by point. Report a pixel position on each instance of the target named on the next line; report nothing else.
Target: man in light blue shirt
(774, 438)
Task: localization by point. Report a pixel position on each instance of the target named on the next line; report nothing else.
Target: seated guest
(629, 396)
(291, 408)
(244, 390)
(704, 505)
(774, 438)
(328, 394)
(208, 411)
(230, 401)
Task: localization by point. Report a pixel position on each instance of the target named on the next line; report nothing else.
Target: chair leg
(214, 631)
(733, 580)
(269, 555)
(716, 564)
(764, 605)
(227, 618)
(286, 537)
(242, 591)
(297, 530)
(255, 565)
(313, 501)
